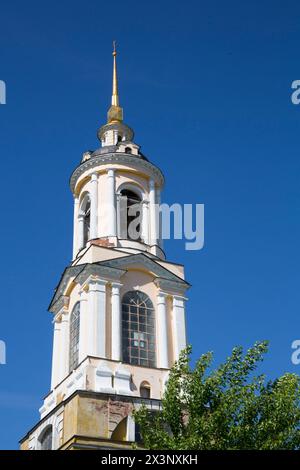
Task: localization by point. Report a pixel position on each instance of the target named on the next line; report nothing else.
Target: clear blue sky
(206, 86)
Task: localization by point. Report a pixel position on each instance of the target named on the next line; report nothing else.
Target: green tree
(227, 408)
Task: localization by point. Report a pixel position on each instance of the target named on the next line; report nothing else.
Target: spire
(115, 112)
(115, 95)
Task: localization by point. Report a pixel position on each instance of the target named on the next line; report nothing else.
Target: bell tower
(119, 307)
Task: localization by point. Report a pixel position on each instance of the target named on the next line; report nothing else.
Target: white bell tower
(119, 308)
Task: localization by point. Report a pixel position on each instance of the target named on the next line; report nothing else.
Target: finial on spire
(115, 112)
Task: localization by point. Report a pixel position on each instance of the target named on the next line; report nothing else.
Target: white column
(83, 327)
(130, 431)
(178, 323)
(94, 206)
(55, 353)
(75, 227)
(97, 318)
(101, 205)
(159, 219)
(153, 215)
(162, 331)
(145, 222)
(64, 349)
(80, 232)
(111, 216)
(115, 322)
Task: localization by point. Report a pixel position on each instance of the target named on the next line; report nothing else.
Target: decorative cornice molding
(69, 272)
(171, 287)
(59, 306)
(150, 264)
(98, 270)
(122, 158)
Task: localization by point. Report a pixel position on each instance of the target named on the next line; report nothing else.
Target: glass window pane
(139, 329)
(74, 337)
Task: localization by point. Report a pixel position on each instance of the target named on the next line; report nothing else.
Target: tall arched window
(46, 439)
(86, 223)
(84, 217)
(138, 330)
(131, 212)
(74, 337)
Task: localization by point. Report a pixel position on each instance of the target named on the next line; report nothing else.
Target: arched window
(46, 439)
(128, 150)
(86, 223)
(74, 337)
(131, 211)
(138, 333)
(145, 390)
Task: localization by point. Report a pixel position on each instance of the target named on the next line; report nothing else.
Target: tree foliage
(226, 408)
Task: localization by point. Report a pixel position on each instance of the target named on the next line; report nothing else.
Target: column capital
(94, 176)
(111, 172)
(162, 296)
(179, 300)
(64, 315)
(116, 285)
(83, 295)
(95, 284)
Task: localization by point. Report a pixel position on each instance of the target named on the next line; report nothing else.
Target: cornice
(98, 270)
(169, 286)
(157, 269)
(61, 304)
(69, 272)
(122, 158)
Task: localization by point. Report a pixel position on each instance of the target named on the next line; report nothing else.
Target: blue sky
(206, 87)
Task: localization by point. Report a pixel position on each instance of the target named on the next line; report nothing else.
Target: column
(83, 327)
(179, 329)
(159, 219)
(111, 206)
(130, 431)
(55, 353)
(80, 232)
(75, 227)
(153, 215)
(64, 349)
(145, 223)
(97, 318)
(162, 329)
(94, 206)
(116, 332)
